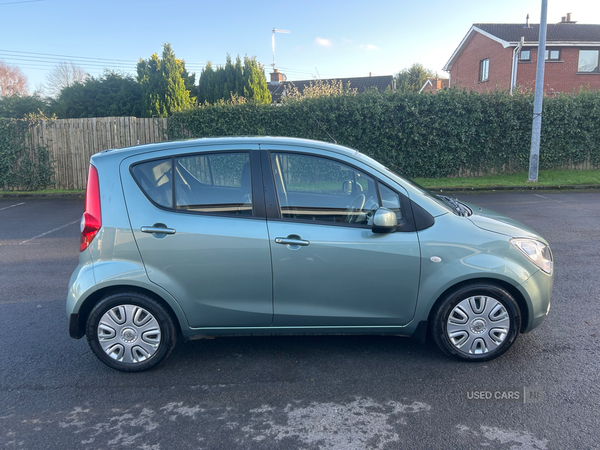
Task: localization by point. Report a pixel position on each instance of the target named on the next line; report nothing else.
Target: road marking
(11, 206)
(547, 198)
(51, 231)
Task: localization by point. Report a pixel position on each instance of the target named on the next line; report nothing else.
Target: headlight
(537, 252)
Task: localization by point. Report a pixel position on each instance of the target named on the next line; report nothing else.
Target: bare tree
(12, 81)
(63, 75)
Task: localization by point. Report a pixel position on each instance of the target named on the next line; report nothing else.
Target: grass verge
(545, 178)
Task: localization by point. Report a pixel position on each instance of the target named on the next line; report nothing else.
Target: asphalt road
(339, 392)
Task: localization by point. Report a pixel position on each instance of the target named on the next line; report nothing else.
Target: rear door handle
(288, 241)
(157, 230)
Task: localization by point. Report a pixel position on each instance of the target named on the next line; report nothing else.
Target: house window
(552, 55)
(484, 70)
(525, 55)
(588, 61)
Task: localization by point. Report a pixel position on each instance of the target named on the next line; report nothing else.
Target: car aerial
(280, 236)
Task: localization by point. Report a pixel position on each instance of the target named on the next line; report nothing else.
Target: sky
(327, 39)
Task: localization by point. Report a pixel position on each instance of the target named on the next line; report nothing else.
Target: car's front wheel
(130, 332)
(477, 322)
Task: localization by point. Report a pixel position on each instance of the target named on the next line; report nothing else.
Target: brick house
(501, 56)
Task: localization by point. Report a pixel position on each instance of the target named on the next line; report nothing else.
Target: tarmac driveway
(330, 392)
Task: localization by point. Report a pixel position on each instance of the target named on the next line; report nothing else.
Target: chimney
(567, 19)
(276, 76)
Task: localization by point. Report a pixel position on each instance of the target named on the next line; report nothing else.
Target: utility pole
(536, 129)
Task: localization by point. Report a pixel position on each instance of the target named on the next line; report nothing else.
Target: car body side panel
(345, 276)
(217, 267)
(468, 252)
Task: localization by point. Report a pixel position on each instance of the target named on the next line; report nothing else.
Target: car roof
(242, 140)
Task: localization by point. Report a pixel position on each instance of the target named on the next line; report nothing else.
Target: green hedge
(20, 168)
(420, 135)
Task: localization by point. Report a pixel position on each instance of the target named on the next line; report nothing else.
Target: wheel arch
(88, 304)
(512, 290)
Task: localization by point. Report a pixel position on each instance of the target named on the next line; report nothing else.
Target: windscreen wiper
(458, 207)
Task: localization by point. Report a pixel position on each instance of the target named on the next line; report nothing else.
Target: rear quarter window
(155, 180)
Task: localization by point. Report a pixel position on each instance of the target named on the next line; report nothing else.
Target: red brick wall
(559, 76)
(465, 71)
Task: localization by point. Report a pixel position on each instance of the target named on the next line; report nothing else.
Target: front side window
(390, 200)
(588, 61)
(319, 189)
(525, 55)
(484, 70)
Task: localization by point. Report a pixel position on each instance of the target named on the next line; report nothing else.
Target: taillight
(91, 222)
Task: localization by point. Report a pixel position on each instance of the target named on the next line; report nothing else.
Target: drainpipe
(515, 64)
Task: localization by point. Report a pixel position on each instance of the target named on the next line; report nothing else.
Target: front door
(329, 268)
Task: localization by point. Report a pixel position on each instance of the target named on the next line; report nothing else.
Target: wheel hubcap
(478, 325)
(129, 334)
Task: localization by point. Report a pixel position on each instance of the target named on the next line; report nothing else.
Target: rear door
(198, 220)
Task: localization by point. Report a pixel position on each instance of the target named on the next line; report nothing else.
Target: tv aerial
(273, 41)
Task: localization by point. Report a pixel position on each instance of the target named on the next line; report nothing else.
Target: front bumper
(537, 291)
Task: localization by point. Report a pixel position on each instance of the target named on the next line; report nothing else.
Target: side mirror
(347, 187)
(384, 221)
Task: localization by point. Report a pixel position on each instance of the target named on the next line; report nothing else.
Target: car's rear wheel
(477, 322)
(130, 332)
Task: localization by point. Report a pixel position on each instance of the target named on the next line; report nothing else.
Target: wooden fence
(71, 142)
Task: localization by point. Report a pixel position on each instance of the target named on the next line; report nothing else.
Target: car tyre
(477, 322)
(130, 331)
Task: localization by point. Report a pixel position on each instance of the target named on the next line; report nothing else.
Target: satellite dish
(283, 77)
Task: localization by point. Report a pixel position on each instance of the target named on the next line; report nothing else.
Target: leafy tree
(413, 78)
(233, 81)
(63, 75)
(165, 83)
(110, 95)
(19, 106)
(12, 81)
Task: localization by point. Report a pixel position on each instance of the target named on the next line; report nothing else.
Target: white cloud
(322, 42)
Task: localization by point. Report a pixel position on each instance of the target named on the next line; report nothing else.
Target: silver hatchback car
(274, 236)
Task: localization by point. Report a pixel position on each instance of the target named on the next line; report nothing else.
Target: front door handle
(292, 241)
(157, 230)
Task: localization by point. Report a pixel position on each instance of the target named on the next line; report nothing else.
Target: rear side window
(155, 178)
(219, 183)
(214, 183)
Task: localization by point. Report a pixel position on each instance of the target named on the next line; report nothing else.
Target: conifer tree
(164, 84)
